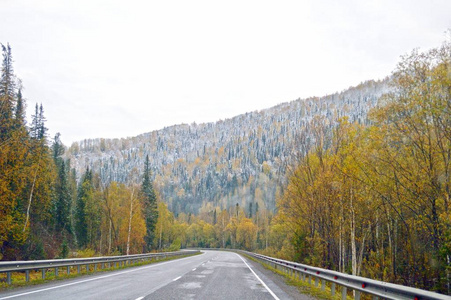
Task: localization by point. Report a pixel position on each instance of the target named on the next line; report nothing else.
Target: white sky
(122, 68)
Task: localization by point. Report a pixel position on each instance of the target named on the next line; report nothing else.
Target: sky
(112, 69)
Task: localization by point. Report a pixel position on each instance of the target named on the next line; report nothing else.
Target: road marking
(92, 279)
(140, 298)
(264, 284)
(194, 269)
(177, 278)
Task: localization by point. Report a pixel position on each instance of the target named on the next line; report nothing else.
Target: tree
(20, 119)
(7, 93)
(149, 205)
(62, 201)
(84, 193)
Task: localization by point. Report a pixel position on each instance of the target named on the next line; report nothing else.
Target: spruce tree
(81, 226)
(150, 205)
(20, 111)
(7, 94)
(42, 130)
(62, 194)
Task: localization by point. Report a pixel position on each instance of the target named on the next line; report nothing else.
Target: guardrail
(26, 266)
(377, 289)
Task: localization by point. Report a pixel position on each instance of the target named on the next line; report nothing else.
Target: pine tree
(20, 111)
(42, 130)
(7, 93)
(84, 192)
(62, 194)
(38, 131)
(150, 205)
(34, 123)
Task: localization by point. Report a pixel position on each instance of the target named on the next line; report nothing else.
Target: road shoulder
(277, 283)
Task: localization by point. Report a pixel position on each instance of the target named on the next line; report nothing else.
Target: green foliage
(64, 249)
(176, 245)
(87, 252)
(150, 206)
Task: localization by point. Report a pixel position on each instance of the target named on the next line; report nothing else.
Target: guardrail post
(356, 295)
(78, 269)
(87, 268)
(8, 277)
(316, 281)
(68, 270)
(344, 293)
(43, 273)
(323, 284)
(332, 289)
(310, 279)
(102, 266)
(56, 272)
(27, 275)
(95, 267)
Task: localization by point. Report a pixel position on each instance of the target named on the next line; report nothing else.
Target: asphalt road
(211, 275)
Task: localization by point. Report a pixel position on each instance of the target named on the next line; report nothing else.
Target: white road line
(194, 269)
(264, 284)
(92, 279)
(177, 278)
(140, 298)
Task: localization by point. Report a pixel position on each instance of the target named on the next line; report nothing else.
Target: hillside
(239, 160)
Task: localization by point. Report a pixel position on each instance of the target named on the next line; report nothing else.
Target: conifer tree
(84, 195)
(34, 123)
(20, 111)
(7, 93)
(62, 194)
(150, 205)
(42, 130)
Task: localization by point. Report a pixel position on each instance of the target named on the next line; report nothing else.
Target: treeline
(239, 160)
(376, 203)
(44, 211)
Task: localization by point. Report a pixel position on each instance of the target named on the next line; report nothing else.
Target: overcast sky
(122, 68)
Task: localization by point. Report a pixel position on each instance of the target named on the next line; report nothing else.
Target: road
(211, 275)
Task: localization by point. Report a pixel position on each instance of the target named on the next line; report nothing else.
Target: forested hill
(240, 160)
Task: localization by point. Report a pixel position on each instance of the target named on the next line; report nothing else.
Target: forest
(365, 193)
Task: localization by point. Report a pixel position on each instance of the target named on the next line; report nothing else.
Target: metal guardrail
(377, 289)
(26, 266)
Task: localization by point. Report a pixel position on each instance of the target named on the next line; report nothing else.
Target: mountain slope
(239, 160)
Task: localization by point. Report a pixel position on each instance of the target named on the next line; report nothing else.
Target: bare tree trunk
(109, 238)
(31, 194)
(161, 234)
(100, 242)
(130, 222)
(341, 256)
(353, 242)
(223, 231)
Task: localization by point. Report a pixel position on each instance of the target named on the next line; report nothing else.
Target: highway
(211, 275)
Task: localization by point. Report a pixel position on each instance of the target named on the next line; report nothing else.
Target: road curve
(211, 275)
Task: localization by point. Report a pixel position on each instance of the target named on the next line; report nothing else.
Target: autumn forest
(359, 187)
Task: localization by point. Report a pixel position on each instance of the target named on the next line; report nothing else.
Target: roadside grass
(18, 278)
(305, 287)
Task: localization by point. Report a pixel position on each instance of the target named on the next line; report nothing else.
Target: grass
(18, 278)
